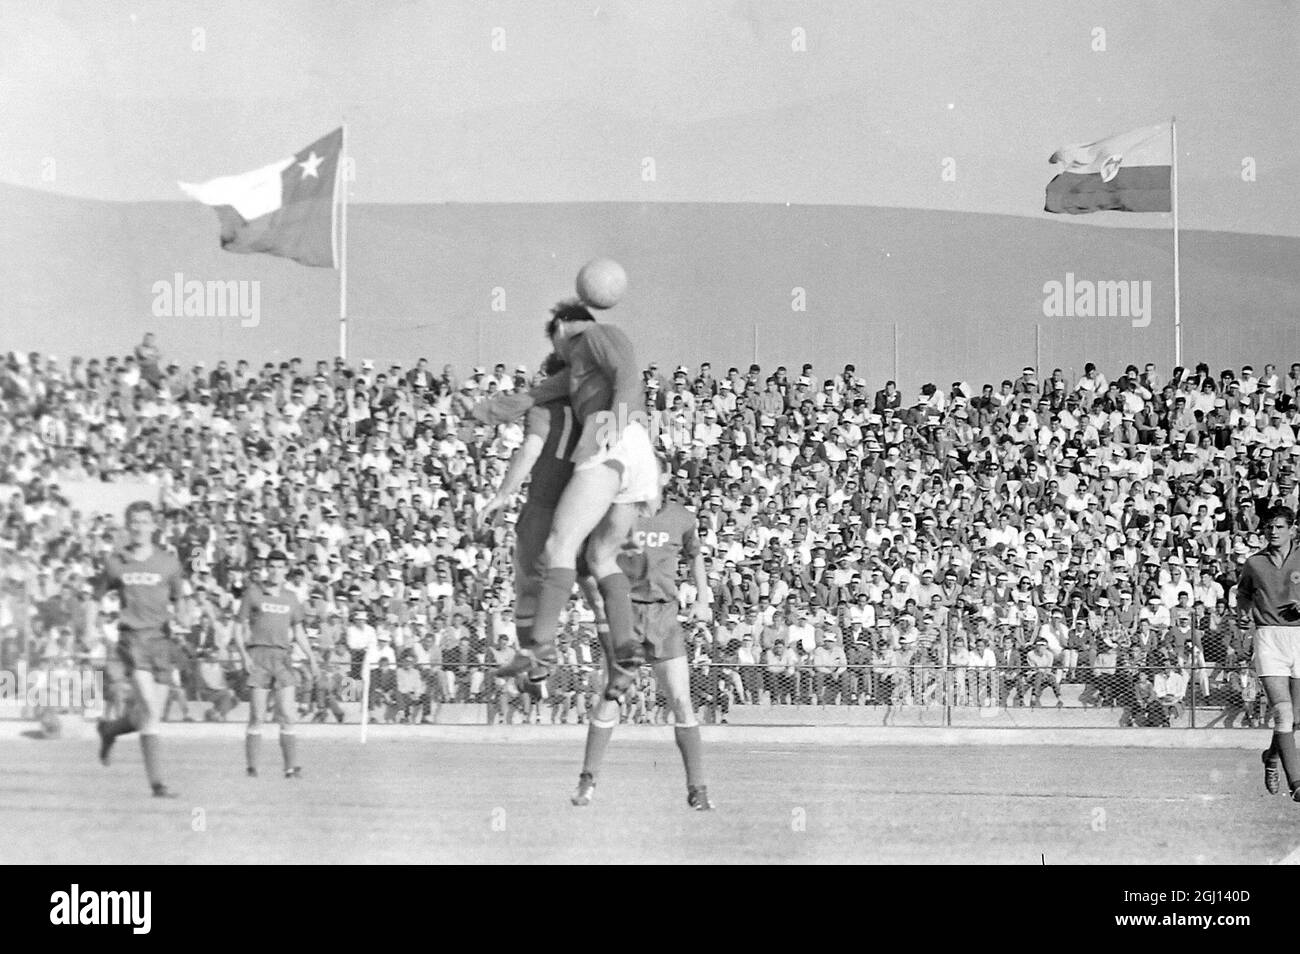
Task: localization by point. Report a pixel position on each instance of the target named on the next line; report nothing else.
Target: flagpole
(1178, 317)
(342, 185)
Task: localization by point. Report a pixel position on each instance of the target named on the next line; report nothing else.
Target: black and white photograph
(679, 432)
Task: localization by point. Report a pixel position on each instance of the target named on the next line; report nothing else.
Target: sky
(117, 100)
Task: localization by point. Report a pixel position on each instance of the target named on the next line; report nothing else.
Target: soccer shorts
(147, 651)
(634, 459)
(531, 531)
(1277, 651)
(657, 631)
(271, 668)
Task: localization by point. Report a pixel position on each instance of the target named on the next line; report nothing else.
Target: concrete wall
(709, 282)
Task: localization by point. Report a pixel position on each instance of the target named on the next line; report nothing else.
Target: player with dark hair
(1268, 593)
(663, 535)
(149, 584)
(269, 622)
(614, 469)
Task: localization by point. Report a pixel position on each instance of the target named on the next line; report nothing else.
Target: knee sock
(688, 743)
(289, 749)
(1284, 747)
(557, 584)
(252, 746)
(524, 632)
(152, 762)
(525, 613)
(1284, 742)
(598, 736)
(616, 592)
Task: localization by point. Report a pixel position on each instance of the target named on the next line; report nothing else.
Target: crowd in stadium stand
(986, 546)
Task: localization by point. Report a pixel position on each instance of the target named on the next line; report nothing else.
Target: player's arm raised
(520, 466)
(511, 405)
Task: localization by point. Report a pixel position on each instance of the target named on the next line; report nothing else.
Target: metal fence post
(1196, 673)
(947, 695)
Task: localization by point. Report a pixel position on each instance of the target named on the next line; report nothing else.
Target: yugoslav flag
(1124, 173)
(286, 208)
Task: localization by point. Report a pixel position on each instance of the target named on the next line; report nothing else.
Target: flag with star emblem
(1128, 172)
(285, 209)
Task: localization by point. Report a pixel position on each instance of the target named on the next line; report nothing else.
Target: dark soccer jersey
(269, 616)
(555, 424)
(602, 374)
(655, 548)
(1269, 589)
(146, 587)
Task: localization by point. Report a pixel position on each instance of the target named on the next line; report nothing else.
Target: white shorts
(1277, 651)
(634, 458)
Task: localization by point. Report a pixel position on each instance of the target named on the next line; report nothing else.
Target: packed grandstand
(987, 545)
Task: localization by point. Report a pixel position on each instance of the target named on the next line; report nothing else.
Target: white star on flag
(310, 164)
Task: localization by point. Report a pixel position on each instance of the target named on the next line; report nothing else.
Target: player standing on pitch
(661, 536)
(149, 584)
(270, 621)
(1268, 589)
(614, 469)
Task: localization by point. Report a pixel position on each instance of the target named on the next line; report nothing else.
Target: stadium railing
(1213, 695)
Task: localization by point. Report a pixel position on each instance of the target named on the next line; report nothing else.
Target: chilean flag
(1124, 173)
(285, 209)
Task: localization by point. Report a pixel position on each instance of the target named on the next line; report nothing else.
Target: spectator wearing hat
(983, 671)
(958, 691)
(1170, 686)
(410, 690)
(830, 667)
(781, 673)
(1042, 672)
(902, 665)
(460, 663)
(748, 662)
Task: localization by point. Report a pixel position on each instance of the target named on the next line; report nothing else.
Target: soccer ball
(601, 283)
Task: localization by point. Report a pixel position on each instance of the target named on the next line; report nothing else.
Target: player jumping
(614, 469)
(660, 538)
(550, 436)
(1268, 589)
(270, 621)
(149, 583)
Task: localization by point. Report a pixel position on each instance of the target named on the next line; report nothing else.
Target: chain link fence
(212, 687)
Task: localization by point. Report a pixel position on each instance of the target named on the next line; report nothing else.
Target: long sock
(616, 593)
(289, 749)
(598, 736)
(524, 632)
(1284, 745)
(252, 746)
(688, 743)
(557, 584)
(152, 760)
